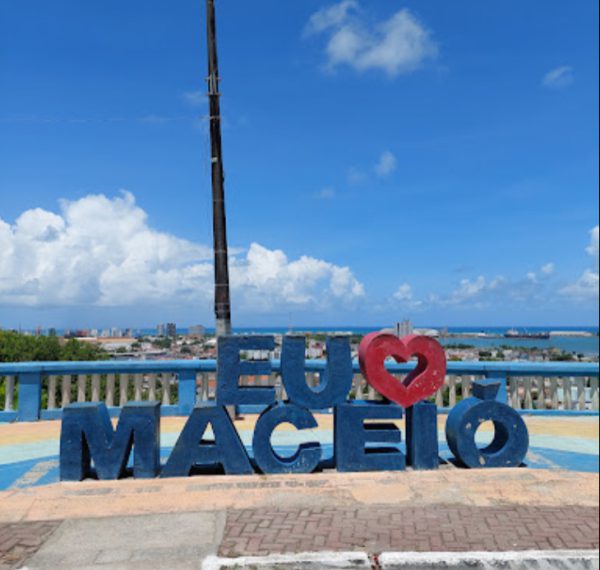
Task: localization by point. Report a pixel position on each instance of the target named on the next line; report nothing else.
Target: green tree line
(17, 347)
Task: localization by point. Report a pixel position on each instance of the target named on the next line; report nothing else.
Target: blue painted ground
(44, 470)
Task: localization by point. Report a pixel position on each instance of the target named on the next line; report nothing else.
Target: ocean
(588, 345)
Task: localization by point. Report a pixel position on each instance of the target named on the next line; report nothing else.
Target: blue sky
(433, 160)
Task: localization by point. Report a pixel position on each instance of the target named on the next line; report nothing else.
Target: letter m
(87, 437)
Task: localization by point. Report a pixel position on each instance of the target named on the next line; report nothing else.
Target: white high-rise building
(405, 328)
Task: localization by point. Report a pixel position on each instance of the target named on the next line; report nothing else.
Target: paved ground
(179, 523)
(29, 452)
(19, 541)
(176, 523)
(440, 528)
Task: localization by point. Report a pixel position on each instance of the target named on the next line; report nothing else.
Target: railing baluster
(439, 398)
(371, 393)
(110, 390)
(514, 392)
(280, 393)
(152, 387)
(541, 393)
(594, 393)
(165, 382)
(567, 394)
(528, 397)
(554, 393)
(81, 385)
(9, 396)
(123, 388)
(357, 386)
(580, 393)
(51, 392)
(452, 391)
(138, 380)
(465, 387)
(95, 387)
(65, 398)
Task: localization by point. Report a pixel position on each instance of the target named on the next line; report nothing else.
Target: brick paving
(19, 541)
(378, 529)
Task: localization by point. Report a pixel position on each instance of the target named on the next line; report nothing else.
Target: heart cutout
(424, 381)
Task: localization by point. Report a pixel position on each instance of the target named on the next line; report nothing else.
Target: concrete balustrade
(39, 390)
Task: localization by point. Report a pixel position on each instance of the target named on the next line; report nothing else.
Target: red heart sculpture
(425, 380)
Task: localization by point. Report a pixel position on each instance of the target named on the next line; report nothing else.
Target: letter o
(511, 438)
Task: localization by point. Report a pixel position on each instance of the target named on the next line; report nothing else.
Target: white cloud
(386, 164)
(194, 98)
(593, 248)
(330, 17)
(398, 45)
(326, 193)
(587, 286)
(405, 298)
(102, 252)
(404, 293)
(547, 269)
(559, 77)
(355, 176)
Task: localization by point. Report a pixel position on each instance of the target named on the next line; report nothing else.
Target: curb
(523, 560)
(302, 561)
(517, 560)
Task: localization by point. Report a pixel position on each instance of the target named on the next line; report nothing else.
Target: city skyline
(389, 161)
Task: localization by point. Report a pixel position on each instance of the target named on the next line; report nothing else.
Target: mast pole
(222, 296)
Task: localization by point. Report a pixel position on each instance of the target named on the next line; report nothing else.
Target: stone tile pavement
(441, 528)
(19, 541)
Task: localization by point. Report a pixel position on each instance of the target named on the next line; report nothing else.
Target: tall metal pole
(222, 299)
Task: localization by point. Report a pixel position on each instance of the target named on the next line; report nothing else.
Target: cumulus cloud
(405, 297)
(479, 293)
(397, 45)
(587, 286)
(386, 164)
(102, 252)
(535, 288)
(547, 269)
(326, 193)
(559, 77)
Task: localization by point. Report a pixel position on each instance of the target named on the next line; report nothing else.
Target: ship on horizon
(514, 333)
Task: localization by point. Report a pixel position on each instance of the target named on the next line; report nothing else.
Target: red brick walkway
(421, 529)
(19, 541)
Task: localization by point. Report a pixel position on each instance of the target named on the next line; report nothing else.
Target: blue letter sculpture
(337, 379)
(422, 449)
(87, 434)
(352, 436)
(191, 450)
(307, 457)
(511, 439)
(230, 368)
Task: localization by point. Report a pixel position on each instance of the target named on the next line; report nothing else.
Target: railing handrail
(475, 368)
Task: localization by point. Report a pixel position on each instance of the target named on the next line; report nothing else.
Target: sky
(384, 160)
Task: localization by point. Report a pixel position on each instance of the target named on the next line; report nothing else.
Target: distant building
(196, 331)
(405, 328)
(166, 329)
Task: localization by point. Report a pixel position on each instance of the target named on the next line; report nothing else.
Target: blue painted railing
(30, 387)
